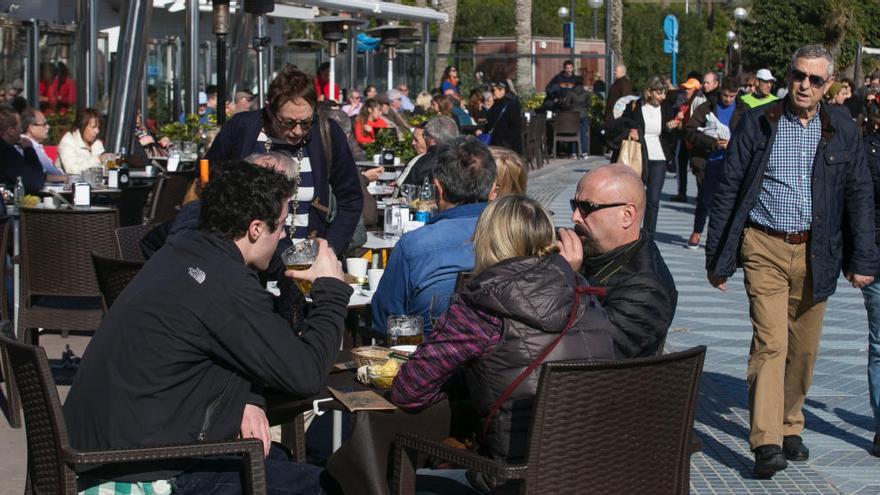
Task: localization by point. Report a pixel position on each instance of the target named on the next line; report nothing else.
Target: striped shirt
(785, 202)
(462, 335)
(305, 193)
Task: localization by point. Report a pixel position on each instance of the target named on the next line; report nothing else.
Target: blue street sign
(670, 27)
(670, 46)
(568, 35)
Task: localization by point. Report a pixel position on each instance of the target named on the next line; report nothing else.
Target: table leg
(337, 430)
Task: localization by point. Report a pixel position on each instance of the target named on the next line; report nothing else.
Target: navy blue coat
(237, 139)
(841, 189)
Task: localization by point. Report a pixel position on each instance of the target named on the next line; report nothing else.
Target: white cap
(203, 98)
(765, 75)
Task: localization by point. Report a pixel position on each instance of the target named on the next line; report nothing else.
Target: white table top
(359, 298)
(377, 240)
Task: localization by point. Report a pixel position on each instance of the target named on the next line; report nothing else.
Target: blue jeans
(656, 174)
(223, 476)
(585, 136)
(706, 192)
(871, 294)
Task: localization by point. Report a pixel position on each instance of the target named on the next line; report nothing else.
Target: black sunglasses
(815, 81)
(587, 207)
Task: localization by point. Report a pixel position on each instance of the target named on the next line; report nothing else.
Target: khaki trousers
(787, 324)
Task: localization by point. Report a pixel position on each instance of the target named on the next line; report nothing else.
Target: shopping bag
(631, 155)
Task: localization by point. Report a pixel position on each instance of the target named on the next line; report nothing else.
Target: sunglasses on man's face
(815, 81)
(587, 207)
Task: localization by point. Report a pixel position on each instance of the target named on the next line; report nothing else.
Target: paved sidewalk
(838, 416)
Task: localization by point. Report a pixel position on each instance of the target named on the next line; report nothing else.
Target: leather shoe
(875, 450)
(768, 460)
(794, 449)
(679, 198)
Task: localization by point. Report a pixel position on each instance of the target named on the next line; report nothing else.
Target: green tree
(699, 49)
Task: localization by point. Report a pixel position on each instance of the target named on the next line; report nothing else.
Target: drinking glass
(405, 330)
(301, 256)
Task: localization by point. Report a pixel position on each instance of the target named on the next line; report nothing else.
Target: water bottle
(426, 194)
(19, 191)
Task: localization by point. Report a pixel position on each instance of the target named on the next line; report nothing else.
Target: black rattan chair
(13, 403)
(168, 196)
(51, 459)
(129, 240)
(59, 288)
(567, 129)
(618, 427)
(113, 276)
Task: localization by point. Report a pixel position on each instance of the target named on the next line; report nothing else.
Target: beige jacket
(74, 155)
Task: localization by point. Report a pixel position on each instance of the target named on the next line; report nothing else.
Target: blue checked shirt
(785, 203)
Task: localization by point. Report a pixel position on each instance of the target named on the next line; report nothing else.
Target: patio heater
(390, 35)
(260, 8)
(221, 29)
(333, 30)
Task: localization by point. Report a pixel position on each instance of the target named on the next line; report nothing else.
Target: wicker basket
(369, 355)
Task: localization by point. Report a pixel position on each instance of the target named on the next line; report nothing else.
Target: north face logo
(197, 274)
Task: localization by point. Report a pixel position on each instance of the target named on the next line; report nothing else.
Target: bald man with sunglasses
(609, 248)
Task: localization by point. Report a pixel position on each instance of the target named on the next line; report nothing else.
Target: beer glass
(301, 256)
(405, 330)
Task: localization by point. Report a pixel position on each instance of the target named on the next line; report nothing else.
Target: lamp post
(568, 13)
(332, 30)
(595, 5)
(740, 15)
(731, 38)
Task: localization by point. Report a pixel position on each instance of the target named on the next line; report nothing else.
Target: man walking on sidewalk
(794, 171)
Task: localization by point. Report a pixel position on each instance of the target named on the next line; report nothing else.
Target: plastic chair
(51, 459)
(113, 276)
(566, 129)
(59, 288)
(616, 427)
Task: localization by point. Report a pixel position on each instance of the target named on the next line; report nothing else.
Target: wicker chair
(113, 275)
(567, 129)
(132, 202)
(168, 196)
(13, 403)
(51, 460)
(56, 246)
(618, 427)
(129, 240)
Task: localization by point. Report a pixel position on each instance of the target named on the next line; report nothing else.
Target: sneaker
(573, 156)
(694, 241)
(679, 198)
(769, 459)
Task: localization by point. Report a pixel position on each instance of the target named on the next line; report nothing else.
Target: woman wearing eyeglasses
(290, 124)
(523, 299)
(652, 123)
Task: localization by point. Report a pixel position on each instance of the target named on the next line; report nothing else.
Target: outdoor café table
(363, 463)
(378, 240)
(372, 164)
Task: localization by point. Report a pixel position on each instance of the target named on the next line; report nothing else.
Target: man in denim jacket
(422, 269)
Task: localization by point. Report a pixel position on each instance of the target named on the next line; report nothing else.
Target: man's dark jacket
(28, 167)
(423, 168)
(186, 343)
(620, 88)
(237, 139)
(641, 295)
(841, 189)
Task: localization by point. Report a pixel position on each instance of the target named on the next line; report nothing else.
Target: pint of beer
(301, 256)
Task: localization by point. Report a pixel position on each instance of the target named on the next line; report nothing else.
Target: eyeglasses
(290, 124)
(587, 207)
(815, 81)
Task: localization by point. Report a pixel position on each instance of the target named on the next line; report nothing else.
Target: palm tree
(523, 45)
(444, 36)
(617, 31)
